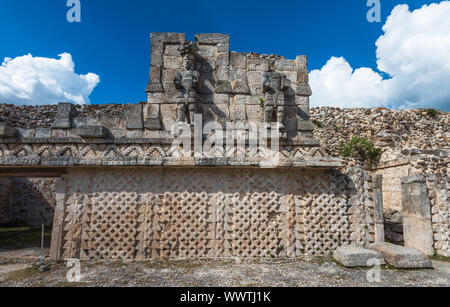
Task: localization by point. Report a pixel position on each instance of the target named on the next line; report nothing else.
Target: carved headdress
(188, 49)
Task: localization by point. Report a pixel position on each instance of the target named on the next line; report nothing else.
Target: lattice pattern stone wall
(206, 213)
(439, 188)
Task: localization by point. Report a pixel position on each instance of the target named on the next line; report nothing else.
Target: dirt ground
(301, 272)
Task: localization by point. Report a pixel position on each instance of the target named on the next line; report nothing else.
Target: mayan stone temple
(221, 161)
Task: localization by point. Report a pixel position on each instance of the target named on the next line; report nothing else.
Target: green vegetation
(440, 258)
(361, 149)
(432, 112)
(21, 274)
(24, 236)
(318, 123)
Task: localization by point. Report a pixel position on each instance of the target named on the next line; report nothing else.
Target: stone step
(351, 256)
(402, 257)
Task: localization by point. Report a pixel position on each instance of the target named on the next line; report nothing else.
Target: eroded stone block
(351, 256)
(402, 257)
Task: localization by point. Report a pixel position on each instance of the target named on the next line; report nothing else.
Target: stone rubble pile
(391, 130)
(31, 117)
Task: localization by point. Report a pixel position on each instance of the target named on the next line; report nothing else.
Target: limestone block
(238, 112)
(92, 132)
(240, 99)
(350, 256)
(171, 62)
(172, 50)
(305, 125)
(258, 64)
(291, 76)
(223, 59)
(169, 75)
(302, 62)
(302, 76)
(418, 232)
(303, 90)
(170, 90)
(402, 257)
(286, 65)
(240, 84)
(207, 50)
(63, 119)
(212, 38)
(223, 73)
(221, 98)
(43, 133)
(256, 89)
(223, 47)
(169, 111)
(223, 87)
(238, 60)
(255, 113)
(155, 98)
(254, 77)
(133, 116)
(152, 117)
(7, 132)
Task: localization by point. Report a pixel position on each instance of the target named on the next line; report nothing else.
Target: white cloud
(413, 51)
(29, 80)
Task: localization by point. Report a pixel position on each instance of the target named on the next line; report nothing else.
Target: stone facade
(204, 213)
(131, 187)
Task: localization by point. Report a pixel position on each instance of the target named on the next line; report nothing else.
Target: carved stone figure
(275, 85)
(187, 82)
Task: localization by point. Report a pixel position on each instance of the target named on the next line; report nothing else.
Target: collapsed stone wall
(27, 202)
(394, 131)
(207, 213)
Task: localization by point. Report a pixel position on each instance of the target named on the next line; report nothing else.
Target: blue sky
(112, 39)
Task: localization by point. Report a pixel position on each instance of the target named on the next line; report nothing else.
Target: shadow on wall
(27, 202)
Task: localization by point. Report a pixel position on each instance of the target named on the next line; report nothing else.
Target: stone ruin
(162, 180)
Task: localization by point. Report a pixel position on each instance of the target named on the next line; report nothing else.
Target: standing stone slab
(417, 229)
(351, 256)
(402, 257)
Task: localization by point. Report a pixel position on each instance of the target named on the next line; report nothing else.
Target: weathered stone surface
(351, 256)
(418, 232)
(238, 60)
(8, 132)
(402, 257)
(223, 87)
(63, 120)
(134, 116)
(303, 90)
(281, 220)
(212, 38)
(92, 132)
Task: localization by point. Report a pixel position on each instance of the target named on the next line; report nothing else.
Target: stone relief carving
(187, 83)
(275, 85)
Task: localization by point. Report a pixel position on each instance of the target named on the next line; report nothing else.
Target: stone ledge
(402, 257)
(92, 132)
(413, 179)
(351, 256)
(8, 132)
(56, 161)
(129, 140)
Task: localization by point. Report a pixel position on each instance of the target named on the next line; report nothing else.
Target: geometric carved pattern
(441, 217)
(97, 152)
(139, 213)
